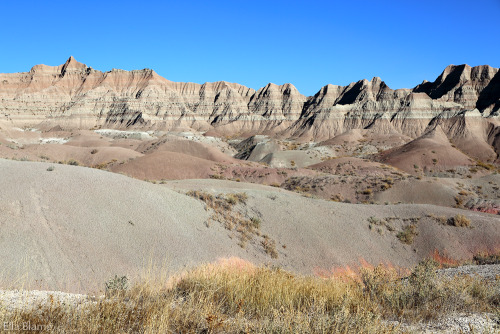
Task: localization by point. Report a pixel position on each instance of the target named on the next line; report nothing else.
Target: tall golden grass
(234, 296)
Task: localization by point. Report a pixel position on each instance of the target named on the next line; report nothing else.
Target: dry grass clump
(484, 165)
(237, 297)
(104, 165)
(487, 258)
(440, 219)
(380, 222)
(459, 221)
(269, 246)
(246, 228)
(71, 162)
(408, 234)
(367, 191)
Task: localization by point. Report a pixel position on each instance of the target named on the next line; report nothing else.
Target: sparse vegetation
(269, 247)
(50, 168)
(256, 222)
(222, 211)
(485, 258)
(440, 219)
(459, 221)
(235, 198)
(380, 222)
(104, 165)
(459, 201)
(385, 186)
(484, 165)
(367, 191)
(408, 234)
(116, 286)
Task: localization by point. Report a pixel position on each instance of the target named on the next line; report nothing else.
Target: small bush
(73, 162)
(116, 286)
(50, 169)
(485, 258)
(270, 247)
(242, 197)
(459, 221)
(440, 219)
(94, 151)
(486, 166)
(367, 191)
(423, 282)
(235, 198)
(204, 196)
(408, 234)
(256, 222)
(385, 186)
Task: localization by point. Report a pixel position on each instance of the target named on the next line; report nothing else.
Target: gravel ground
(457, 323)
(489, 271)
(11, 300)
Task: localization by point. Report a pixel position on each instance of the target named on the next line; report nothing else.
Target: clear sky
(308, 44)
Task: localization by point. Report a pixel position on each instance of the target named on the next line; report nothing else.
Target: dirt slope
(74, 227)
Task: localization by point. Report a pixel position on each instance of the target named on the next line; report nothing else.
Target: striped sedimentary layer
(76, 95)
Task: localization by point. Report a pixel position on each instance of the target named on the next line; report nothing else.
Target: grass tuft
(408, 234)
(459, 221)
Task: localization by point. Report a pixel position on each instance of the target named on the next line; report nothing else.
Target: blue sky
(255, 42)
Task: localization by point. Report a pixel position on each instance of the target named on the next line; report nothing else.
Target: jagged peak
(270, 85)
(454, 69)
(71, 60)
(72, 66)
(267, 89)
(72, 63)
(289, 88)
(328, 89)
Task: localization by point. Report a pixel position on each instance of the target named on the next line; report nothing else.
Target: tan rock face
(76, 95)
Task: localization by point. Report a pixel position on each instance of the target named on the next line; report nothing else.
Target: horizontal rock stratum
(75, 95)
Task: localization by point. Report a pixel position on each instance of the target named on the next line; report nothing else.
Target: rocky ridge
(463, 100)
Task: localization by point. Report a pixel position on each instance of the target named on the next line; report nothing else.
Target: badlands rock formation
(463, 100)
